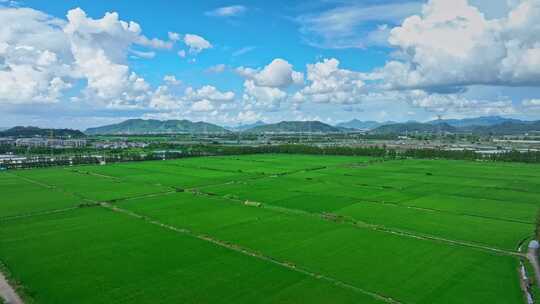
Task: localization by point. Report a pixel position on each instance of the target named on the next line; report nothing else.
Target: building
(39, 142)
(74, 143)
(11, 158)
(6, 141)
(31, 142)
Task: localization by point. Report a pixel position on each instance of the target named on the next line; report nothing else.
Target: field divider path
(45, 212)
(365, 225)
(92, 173)
(401, 205)
(34, 181)
(7, 292)
(253, 254)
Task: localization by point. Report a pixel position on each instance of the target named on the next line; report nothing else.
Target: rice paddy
(269, 229)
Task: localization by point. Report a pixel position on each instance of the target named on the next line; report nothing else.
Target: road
(7, 292)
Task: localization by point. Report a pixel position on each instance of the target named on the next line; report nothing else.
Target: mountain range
(363, 125)
(480, 125)
(244, 127)
(20, 131)
(483, 121)
(295, 127)
(152, 126)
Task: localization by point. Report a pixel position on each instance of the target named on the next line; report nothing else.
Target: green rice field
(269, 229)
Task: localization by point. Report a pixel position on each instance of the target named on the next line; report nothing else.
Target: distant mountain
(477, 121)
(35, 131)
(295, 127)
(249, 126)
(506, 128)
(414, 127)
(509, 127)
(152, 126)
(363, 125)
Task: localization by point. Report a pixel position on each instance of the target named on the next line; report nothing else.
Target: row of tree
(170, 151)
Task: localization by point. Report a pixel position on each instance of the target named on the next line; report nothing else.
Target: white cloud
(531, 103)
(278, 74)
(458, 103)
(141, 54)
(208, 92)
(349, 26)
(163, 100)
(174, 36)
(99, 47)
(216, 69)
(153, 43)
(171, 80)
(452, 44)
(227, 11)
(202, 106)
(248, 116)
(330, 84)
(243, 51)
(261, 97)
(196, 43)
(182, 54)
(34, 57)
(264, 88)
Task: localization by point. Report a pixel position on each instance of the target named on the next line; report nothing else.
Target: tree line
(171, 151)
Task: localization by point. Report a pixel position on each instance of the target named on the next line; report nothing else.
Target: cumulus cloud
(451, 45)
(208, 92)
(171, 80)
(531, 103)
(202, 106)
(278, 74)
(261, 97)
(174, 36)
(99, 47)
(162, 99)
(458, 103)
(227, 11)
(330, 84)
(35, 59)
(264, 88)
(248, 116)
(41, 57)
(196, 43)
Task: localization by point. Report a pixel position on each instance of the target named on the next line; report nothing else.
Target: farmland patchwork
(269, 229)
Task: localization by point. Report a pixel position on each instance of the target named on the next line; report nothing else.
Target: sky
(81, 64)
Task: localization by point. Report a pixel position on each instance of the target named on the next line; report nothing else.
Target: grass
(333, 221)
(96, 256)
(399, 267)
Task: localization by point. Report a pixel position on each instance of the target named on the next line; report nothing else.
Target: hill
(507, 128)
(21, 131)
(363, 125)
(248, 126)
(510, 127)
(152, 126)
(295, 127)
(476, 121)
(414, 127)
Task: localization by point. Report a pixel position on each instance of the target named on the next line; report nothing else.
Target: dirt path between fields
(532, 256)
(254, 254)
(7, 292)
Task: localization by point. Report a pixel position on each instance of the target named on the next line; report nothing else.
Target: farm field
(269, 229)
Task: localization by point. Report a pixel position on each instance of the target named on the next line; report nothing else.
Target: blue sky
(64, 63)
